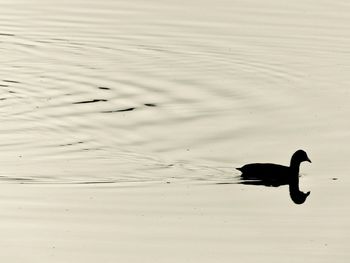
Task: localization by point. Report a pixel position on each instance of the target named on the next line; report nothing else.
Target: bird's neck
(294, 177)
(294, 166)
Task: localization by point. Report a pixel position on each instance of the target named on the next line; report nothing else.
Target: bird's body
(264, 169)
(270, 174)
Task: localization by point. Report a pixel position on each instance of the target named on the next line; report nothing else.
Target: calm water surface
(171, 91)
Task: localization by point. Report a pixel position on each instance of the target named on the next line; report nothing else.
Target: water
(147, 92)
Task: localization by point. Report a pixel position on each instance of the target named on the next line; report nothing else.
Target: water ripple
(135, 89)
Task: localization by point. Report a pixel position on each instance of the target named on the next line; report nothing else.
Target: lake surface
(122, 123)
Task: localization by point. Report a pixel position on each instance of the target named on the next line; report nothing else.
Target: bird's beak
(307, 159)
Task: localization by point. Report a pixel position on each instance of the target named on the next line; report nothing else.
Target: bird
(270, 174)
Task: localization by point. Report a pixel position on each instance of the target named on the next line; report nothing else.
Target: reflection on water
(295, 194)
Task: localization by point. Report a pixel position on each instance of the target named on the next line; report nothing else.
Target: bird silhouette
(269, 174)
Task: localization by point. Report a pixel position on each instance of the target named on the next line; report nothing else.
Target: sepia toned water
(122, 123)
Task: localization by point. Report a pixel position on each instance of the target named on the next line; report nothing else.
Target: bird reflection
(275, 175)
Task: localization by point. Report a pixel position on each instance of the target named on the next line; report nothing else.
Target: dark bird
(269, 174)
